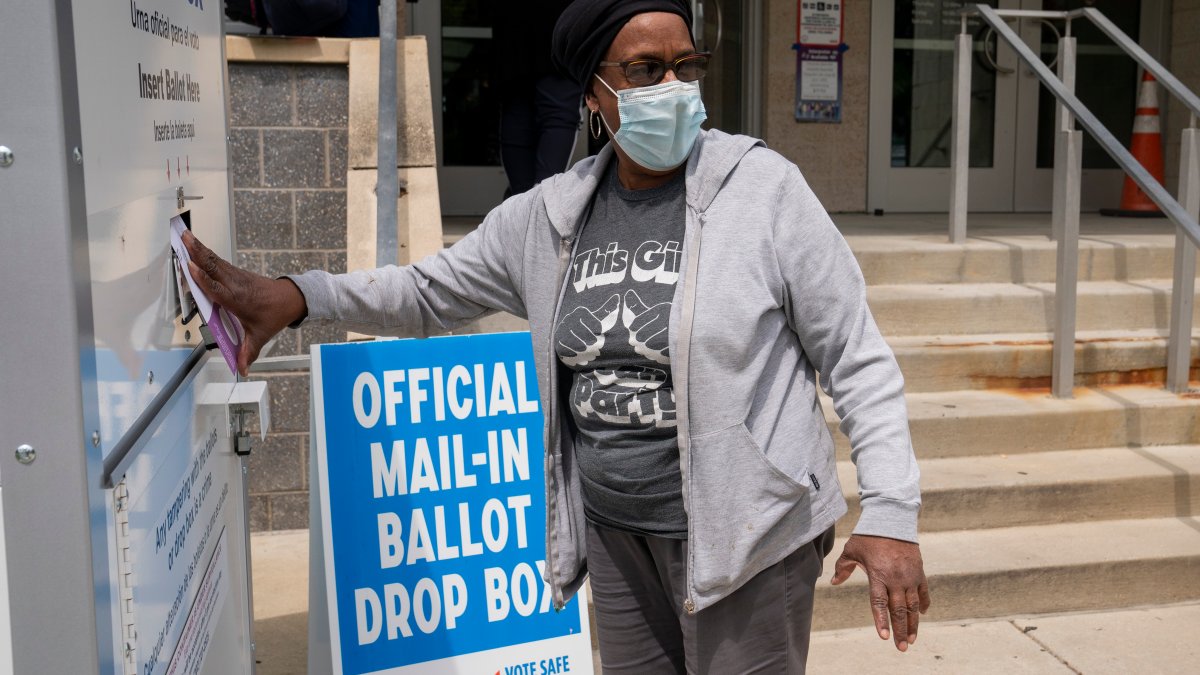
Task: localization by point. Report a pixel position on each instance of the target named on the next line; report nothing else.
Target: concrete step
(1049, 487)
(1024, 360)
(1046, 568)
(964, 309)
(931, 259)
(974, 423)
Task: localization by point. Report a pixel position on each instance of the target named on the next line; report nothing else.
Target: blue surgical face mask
(659, 123)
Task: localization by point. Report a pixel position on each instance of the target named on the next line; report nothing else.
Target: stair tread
(965, 403)
(1017, 340)
(1046, 468)
(938, 243)
(1021, 289)
(977, 552)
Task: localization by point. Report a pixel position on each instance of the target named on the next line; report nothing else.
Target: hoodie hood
(712, 160)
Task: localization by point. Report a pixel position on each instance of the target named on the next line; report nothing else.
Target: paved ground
(1149, 640)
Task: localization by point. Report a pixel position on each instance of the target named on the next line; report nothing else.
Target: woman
(683, 290)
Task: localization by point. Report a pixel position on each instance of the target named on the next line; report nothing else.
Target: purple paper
(228, 332)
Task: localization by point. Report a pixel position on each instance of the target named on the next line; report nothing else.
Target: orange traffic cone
(1146, 147)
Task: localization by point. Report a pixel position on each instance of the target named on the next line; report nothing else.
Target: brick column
(288, 161)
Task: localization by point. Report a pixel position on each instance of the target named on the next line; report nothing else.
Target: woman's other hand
(265, 306)
(896, 581)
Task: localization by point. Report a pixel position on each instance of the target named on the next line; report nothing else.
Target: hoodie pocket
(738, 498)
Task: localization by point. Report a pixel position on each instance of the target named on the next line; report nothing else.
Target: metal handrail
(1089, 121)
(1186, 96)
(1067, 169)
(1169, 82)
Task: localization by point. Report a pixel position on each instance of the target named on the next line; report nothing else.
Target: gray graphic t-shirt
(612, 332)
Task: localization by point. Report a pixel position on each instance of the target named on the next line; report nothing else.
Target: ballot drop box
(123, 537)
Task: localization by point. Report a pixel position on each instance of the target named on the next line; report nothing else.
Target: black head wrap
(587, 28)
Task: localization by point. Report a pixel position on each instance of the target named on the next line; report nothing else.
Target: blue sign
(431, 466)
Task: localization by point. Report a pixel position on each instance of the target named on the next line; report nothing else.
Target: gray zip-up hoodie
(771, 296)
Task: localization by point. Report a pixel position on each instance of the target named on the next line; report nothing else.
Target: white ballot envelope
(225, 327)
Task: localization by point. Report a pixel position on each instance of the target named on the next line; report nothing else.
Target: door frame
(906, 189)
(463, 190)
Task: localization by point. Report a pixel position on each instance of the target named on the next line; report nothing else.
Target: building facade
(891, 149)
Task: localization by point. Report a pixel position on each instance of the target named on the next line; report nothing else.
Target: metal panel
(154, 123)
(83, 274)
(44, 282)
(185, 528)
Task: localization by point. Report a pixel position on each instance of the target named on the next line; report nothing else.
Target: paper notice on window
(225, 327)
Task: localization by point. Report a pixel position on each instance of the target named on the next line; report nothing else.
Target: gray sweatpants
(638, 588)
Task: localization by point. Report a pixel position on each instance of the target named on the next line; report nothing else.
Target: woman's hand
(265, 306)
(896, 579)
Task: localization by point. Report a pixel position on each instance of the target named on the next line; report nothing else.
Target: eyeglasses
(645, 72)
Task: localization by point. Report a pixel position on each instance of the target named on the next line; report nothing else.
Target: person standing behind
(539, 113)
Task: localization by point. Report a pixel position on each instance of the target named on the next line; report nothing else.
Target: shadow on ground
(281, 644)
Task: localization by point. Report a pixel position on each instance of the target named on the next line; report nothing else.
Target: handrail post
(1183, 288)
(1064, 121)
(387, 187)
(1067, 173)
(1068, 167)
(1069, 146)
(960, 132)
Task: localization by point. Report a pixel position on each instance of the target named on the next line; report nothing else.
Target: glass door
(466, 115)
(912, 67)
(1012, 141)
(1106, 82)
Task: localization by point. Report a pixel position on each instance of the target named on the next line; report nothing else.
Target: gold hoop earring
(594, 124)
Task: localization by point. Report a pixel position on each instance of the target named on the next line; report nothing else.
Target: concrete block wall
(288, 155)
